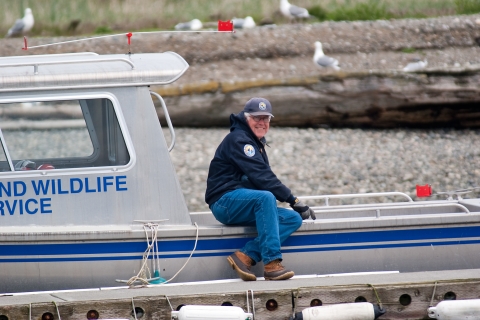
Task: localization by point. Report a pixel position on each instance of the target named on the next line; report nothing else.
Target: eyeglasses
(266, 119)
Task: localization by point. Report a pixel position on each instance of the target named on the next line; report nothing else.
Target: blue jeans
(258, 208)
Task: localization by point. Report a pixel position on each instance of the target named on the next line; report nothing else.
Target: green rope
(56, 307)
(376, 295)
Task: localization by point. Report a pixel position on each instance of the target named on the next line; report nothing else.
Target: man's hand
(304, 210)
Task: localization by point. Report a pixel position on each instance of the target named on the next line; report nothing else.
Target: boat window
(47, 135)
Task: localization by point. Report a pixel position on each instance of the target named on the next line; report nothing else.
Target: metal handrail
(376, 204)
(457, 193)
(377, 210)
(356, 195)
(167, 117)
(36, 64)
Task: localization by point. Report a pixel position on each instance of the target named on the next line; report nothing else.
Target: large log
(432, 97)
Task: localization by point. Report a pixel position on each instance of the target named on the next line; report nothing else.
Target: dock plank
(156, 302)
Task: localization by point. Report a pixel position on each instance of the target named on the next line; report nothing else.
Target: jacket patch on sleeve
(249, 150)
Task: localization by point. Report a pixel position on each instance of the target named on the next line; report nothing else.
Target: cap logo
(262, 106)
(249, 150)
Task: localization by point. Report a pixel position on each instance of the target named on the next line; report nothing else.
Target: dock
(403, 295)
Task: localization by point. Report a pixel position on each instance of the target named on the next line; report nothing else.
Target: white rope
(191, 254)
(142, 274)
(248, 303)
(156, 258)
(134, 311)
(253, 305)
(124, 34)
(168, 300)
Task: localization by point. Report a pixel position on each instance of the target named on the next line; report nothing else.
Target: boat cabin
(71, 128)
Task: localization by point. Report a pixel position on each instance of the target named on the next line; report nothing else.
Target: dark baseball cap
(258, 107)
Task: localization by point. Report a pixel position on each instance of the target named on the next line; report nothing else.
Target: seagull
(321, 60)
(246, 23)
(194, 25)
(416, 65)
(22, 26)
(293, 12)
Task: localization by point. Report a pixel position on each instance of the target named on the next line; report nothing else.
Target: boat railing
(457, 193)
(76, 54)
(356, 195)
(167, 117)
(35, 65)
(369, 210)
(378, 209)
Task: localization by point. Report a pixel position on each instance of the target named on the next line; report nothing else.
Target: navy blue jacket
(239, 156)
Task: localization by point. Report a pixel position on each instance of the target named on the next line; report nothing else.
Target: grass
(409, 50)
(67, 17)
(467, 6)
(369, 10)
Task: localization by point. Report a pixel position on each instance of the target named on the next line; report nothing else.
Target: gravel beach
(333, 161)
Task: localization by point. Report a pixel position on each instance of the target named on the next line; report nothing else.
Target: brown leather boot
(241, 263)
(275, 271)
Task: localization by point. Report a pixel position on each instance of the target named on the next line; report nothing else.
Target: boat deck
(404, 295)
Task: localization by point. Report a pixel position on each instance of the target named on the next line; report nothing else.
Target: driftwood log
(380, 99)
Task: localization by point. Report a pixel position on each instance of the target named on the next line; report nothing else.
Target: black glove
(304, 210)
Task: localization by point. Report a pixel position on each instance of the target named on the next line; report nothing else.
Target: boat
(89, 195)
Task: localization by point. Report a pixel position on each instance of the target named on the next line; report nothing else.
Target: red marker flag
(424, 191)
(225, 26)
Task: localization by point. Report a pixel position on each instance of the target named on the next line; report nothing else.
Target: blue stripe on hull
(383, 236)
(118, 247)
(296, 243)
(216, 254)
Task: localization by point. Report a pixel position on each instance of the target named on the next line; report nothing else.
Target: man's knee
(298, 220)
(290, 217)
(266, 197)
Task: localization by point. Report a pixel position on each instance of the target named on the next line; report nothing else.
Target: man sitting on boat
(242, 190)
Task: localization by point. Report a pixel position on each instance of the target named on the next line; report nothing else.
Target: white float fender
(343, 311)
(456, 310)
(198, 312)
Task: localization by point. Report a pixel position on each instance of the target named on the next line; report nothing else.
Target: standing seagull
(194, 25)
(293, 12)
(321, 60)
(22, 26)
